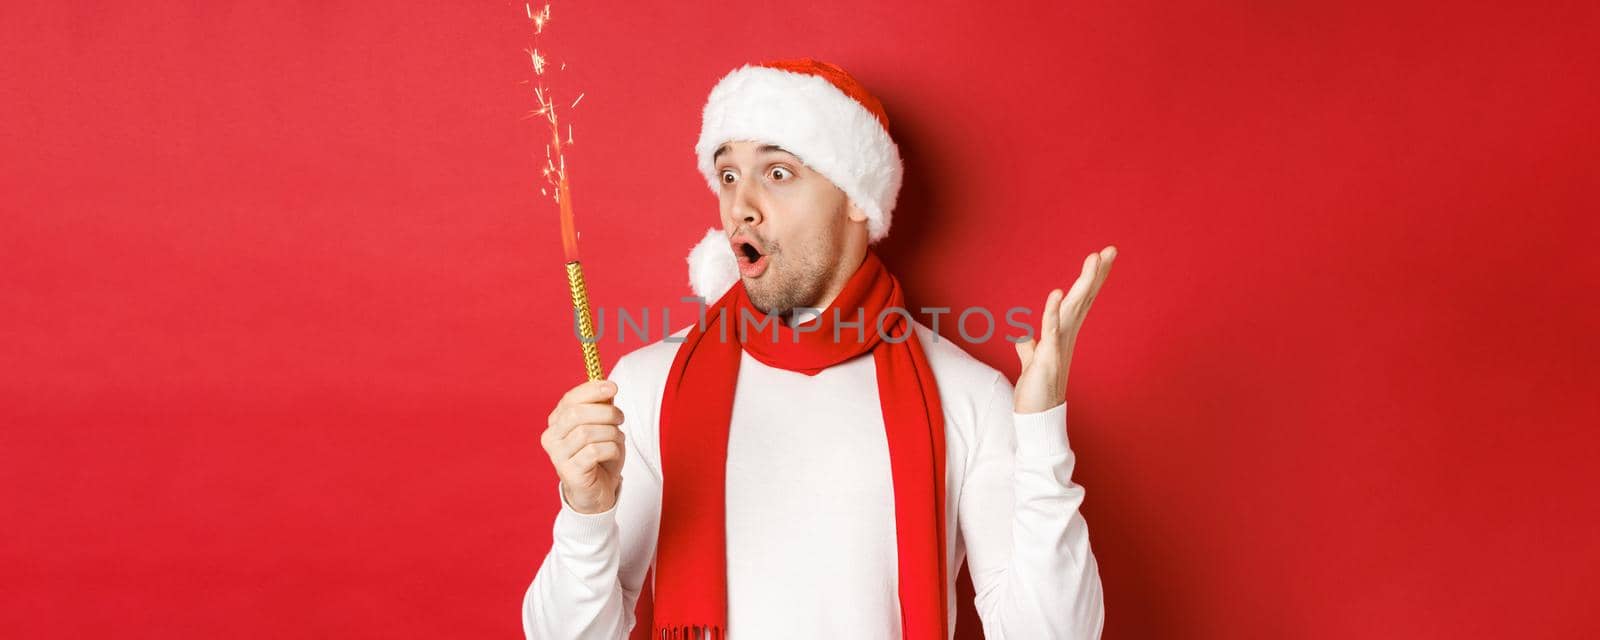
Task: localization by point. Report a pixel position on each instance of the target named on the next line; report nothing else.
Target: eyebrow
(766, 148)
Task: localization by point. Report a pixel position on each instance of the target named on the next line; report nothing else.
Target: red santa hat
(815, 111)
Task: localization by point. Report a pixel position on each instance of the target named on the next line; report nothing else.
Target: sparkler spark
(540, 19)
(538, 61)
(555, 165)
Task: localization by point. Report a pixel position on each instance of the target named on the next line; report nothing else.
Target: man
(801, 479)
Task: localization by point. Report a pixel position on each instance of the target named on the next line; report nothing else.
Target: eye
(728, 176)
(781, 173)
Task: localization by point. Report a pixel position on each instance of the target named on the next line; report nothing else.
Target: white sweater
(810, 510)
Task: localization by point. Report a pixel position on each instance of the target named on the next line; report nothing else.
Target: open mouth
(752, 263)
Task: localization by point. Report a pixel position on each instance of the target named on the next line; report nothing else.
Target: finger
(1072, 314)
(1025, 351)
(591, 391)
(596, 413)
(1107, 256)
(587, 413)
(570, 418)
(595, 453)
(585, 435)
(1091, 280)
(1080, 287)
(1052, 315)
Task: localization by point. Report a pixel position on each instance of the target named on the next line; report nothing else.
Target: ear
(855, 213)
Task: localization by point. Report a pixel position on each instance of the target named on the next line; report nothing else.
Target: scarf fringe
(690, 632)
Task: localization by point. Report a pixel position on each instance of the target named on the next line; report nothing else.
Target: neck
(841, 275)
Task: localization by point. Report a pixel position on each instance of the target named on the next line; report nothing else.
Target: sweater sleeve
(1027, 543)
(591, 578)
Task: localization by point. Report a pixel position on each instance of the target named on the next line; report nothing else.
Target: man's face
(788, 224)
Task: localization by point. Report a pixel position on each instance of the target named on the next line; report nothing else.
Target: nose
(746, 204)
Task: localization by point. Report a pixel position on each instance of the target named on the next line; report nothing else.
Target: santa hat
(815, 111)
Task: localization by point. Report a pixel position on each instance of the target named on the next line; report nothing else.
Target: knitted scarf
(691, 598)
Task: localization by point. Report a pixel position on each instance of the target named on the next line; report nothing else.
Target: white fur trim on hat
(712, 266)
(806, 115)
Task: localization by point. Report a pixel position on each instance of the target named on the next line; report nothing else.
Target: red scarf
(691, 589)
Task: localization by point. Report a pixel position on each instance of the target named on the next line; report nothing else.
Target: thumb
(1025, 351)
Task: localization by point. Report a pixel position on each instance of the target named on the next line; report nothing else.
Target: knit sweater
(811, 547)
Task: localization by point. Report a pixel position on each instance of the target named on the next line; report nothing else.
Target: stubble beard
(797, 278)
(791, 280)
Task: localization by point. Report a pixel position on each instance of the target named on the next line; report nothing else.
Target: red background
(283, 312)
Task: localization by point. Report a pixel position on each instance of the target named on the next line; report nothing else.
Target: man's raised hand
(1043, 382)
(585, 441)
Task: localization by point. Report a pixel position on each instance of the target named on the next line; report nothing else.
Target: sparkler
(555, 174)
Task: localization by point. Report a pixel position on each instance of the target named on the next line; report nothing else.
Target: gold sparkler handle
(580, 307)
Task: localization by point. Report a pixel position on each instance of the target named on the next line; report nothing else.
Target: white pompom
(712, 267)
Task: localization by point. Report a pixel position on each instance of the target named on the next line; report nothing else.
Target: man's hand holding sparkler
(585, 443)
(1043, 382)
